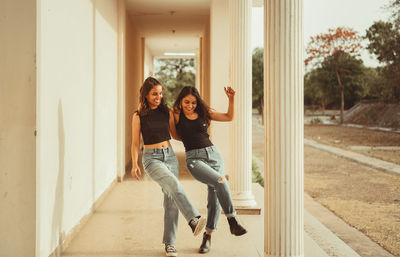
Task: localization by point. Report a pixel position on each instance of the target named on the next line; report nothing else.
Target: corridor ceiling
(170, 25)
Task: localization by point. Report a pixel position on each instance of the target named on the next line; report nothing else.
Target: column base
(243, 200)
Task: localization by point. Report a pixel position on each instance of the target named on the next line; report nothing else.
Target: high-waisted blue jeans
(206, 165)
(162, 166)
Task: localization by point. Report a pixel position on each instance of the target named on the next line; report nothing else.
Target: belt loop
(207, 150)
(164, 151)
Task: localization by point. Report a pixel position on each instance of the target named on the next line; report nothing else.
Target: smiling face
(154, 96)
(189, 104)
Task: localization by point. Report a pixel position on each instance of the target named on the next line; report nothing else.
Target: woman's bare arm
(228, 116)
(172, 126)
(135, 146)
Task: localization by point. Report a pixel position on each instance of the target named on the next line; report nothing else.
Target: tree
(175, 74)
(335, 44)
(384, 42)
(394, 7)
(258, 79)
(352, 76)
(376, 84)
(318, 89)
(320, 84)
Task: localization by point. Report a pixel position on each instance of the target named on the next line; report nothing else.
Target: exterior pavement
(366, 160)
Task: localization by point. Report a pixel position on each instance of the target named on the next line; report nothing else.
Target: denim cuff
(233, 214)
(211, 230)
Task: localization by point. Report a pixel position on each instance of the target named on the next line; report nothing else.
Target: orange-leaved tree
(334, 45)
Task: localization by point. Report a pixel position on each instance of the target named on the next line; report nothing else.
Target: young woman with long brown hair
(155, 122)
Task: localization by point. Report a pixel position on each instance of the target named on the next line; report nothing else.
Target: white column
(240, 80)
(283, 87)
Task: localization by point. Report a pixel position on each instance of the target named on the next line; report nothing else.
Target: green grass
(257, 177)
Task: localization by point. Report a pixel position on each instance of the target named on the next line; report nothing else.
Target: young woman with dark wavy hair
(203, 160)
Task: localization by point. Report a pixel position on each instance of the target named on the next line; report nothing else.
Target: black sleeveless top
(193, 132)
(155, 126)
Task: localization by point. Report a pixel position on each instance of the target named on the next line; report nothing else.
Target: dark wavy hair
(202, 109)
(144, 107)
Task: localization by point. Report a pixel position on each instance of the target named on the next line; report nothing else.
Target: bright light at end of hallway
(180, 54)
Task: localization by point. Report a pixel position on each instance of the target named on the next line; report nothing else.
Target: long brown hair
(202, 109)
(144, 107)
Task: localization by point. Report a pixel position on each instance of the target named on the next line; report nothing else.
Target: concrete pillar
(240, 80)
(283, 87)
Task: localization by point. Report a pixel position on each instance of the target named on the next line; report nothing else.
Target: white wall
(77, 111)
(219, 73)
(17, 126)
(106, 93)
(148, 63)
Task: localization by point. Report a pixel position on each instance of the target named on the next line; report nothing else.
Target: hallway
(129, 223)
(69, 105)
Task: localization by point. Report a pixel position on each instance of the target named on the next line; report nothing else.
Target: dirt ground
(366, 198)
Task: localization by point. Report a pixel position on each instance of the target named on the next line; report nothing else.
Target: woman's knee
(171, 185)
(213, 205)
(221, 183)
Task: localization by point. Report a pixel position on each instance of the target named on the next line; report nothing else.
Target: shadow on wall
(102, 7)
(56, 231)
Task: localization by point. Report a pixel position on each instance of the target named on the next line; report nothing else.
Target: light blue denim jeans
(206, 165)
(162, 166)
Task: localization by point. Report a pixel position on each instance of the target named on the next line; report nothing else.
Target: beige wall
(17, 126)
(219, 75)
(205, 76)
(77, 54)
(121, 89)
(133, 61)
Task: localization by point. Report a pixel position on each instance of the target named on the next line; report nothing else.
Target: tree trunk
(342, 105)
(341, 87)
(323, 106)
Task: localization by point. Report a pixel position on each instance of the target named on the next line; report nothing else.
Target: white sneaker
(197, 225)
(170, 250)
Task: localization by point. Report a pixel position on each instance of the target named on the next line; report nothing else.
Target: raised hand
(229, 92)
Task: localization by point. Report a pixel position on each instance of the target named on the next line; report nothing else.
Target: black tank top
(155, 126)
(193, 132)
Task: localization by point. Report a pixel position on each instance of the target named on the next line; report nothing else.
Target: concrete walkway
(369, 161)
(129, 223)
(355, 240)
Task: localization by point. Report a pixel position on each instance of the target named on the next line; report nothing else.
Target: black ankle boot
(206, 244)
(235, 227)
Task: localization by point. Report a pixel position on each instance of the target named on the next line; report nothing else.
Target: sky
(320, 15)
